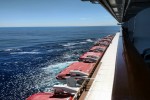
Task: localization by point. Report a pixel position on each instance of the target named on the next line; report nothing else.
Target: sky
(41, 13)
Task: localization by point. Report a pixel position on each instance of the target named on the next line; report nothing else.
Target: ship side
(125, 75)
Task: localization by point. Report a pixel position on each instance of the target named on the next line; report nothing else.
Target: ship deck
(101, 83)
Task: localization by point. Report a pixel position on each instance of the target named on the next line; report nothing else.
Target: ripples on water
(31, 69)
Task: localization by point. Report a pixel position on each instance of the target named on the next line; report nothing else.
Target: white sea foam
(83, 42)
(57, 67)
(70, 55)
(56, 50)
(50, 50)
(67, 56)
(52, 71)
(21, 53)
(89, 40)
(70, 44)
(75, 43)
(12, 49)
(8, 49)
(35, 50)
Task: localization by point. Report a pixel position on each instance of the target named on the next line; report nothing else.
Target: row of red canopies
(82, 67)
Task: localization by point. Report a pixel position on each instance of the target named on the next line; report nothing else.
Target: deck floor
(101, 88)
(89, 83)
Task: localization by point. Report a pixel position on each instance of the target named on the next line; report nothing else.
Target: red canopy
(80, 66)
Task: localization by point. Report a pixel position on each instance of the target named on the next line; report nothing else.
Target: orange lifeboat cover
(97, 47)
(48, 96)
(96, 54)
(81, 66)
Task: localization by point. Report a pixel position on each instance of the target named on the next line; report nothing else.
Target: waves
(40, 49)
(69, 44)
(20, 86)
(21, 53)
(89, 40)
(28, 70)
(32, 63)
(56, 68)
(10, 50)
(83, 42)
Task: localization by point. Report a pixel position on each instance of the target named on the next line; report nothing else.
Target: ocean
(31, 57)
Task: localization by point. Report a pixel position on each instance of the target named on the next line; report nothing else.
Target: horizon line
(55, 26)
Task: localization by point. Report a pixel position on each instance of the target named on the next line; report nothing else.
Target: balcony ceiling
(123, 10)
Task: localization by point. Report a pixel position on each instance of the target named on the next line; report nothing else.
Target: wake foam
(56, 68)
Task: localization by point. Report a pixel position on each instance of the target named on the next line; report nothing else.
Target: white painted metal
(77, 72)
(66, 88)
(101, 88)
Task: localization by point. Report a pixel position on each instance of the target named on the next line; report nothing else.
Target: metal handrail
(84, 84)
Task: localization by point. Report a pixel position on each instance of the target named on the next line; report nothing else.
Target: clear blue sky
(26, 13)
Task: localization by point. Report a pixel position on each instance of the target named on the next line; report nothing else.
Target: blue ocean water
(31, 57)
